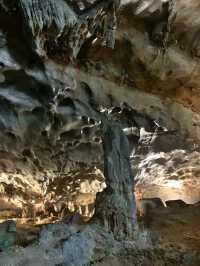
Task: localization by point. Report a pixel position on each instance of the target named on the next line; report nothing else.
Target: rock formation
(116, 204)
(96, 97)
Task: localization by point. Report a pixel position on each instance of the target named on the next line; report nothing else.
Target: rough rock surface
(115, 206)
(64, 64)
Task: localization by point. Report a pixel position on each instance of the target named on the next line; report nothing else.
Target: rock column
(115, 206)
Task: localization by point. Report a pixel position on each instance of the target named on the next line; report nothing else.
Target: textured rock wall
(63, 65)
(58, 72)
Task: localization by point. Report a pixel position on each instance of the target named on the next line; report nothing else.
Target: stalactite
(42, 14)
(170, 19)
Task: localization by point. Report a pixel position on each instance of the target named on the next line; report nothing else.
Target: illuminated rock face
(63, 64)
(168, 169)
(67, 65)
(51, 120)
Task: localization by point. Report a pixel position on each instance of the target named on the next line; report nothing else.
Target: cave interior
(99, 132)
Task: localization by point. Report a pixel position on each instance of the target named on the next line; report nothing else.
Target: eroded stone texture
(59, 72)
(115, 207)
(60, 28)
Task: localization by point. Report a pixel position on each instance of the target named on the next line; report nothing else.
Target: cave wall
(64, 65)
(60, 67)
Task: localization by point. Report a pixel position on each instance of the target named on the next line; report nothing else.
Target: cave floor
(177, 226)
(173, 226)
(175, 231)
